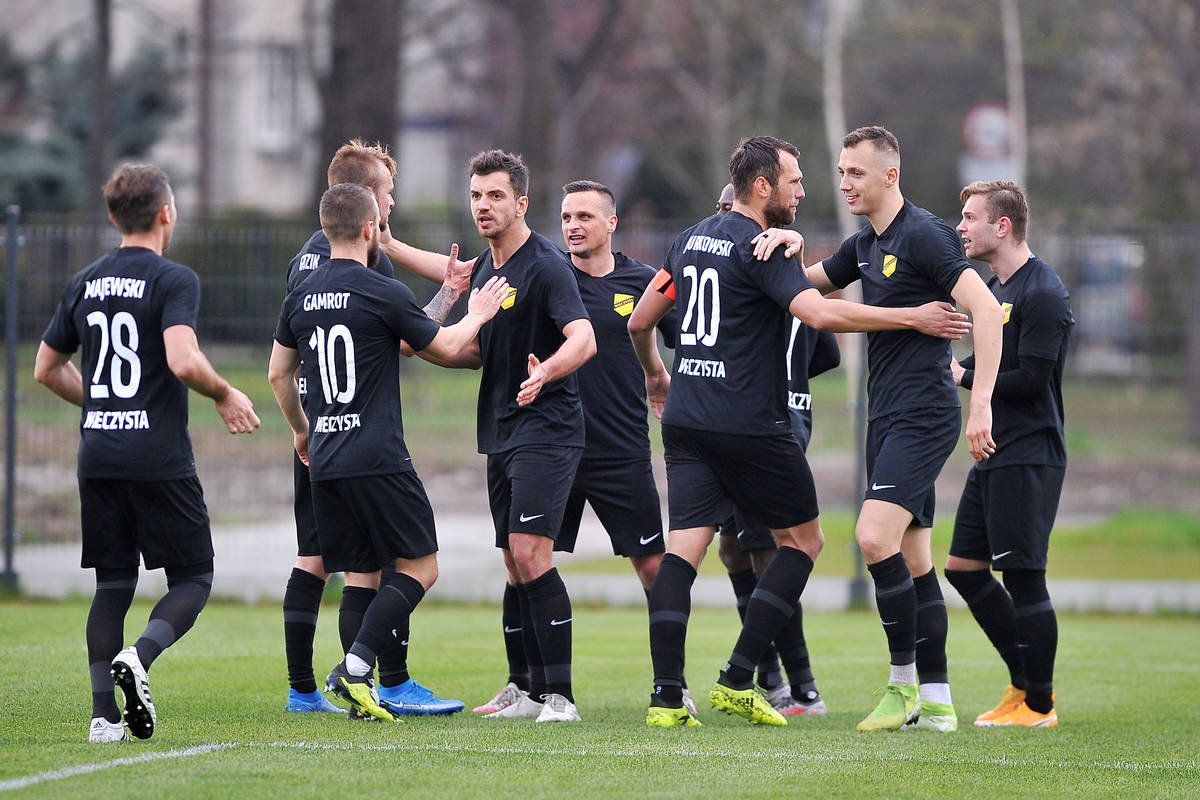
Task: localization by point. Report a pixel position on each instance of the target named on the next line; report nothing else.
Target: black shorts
(625, 499)
(307, 542)
(528, 488)
(751, 534)
(165, 521)
(905, 453)
(707, 473)
(1005, 515)
(368, 522)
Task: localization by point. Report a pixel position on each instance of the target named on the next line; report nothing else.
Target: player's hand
(385, 234)
(458, 273)
(979, 433)
(238, 412)
(485, 301)
(766, 242)
(532, 386)
(956, 370)
(656, 392)
(300, 441)
(940, 319)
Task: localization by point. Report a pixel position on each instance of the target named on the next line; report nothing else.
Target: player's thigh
(905, 455)
(172, 524)
(1021, 503)
(695, 496)
(625, 499)
(109, 536)
(767, 478)
(969, 539)
(540, 480)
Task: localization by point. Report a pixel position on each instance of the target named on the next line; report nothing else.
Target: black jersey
(810, 352)
(612, 385)
(731, 340)
(135, 413)
(918, 259)
(543, 297)
(315, 253)
(1027, 416)
(347, 322)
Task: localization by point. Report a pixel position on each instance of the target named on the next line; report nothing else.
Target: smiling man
(904, 256)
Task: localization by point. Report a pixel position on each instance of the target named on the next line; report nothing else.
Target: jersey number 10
(337, 387)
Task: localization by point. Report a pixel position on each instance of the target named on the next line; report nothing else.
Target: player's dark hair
(1004, 199)
(884, 140)
(592, 186)
(758, 155)
(345, 208)
(134, 194)
(485, 162)
(358, 162)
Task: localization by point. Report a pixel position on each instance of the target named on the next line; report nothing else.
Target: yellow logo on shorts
(623, 304)
(1007, 308)
(510, 297)
(889, 266)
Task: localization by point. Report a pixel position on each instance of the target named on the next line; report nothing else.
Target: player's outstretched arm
(934, 319)
(483, 305)
(281, 373)
(579, 346)
(652, 307)
(425, 263)
(191, 366)
(972, 293)
(56, 372)
(454, 286)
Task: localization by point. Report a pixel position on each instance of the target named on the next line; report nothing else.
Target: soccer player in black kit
(1010, 500)
(369, 165)
(907, 255)
(369, 504)
(725, 422)
(134, 314)
(746, 546)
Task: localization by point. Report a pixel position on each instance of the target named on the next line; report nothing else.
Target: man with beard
(370, 507)
(726, 429)
(368, 165)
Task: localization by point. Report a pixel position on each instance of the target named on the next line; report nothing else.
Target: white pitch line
(84, 769)
(864, 757)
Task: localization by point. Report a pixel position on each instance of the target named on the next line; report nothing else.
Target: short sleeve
(1045, 319)
(842, 267)
(181, 298)
(60, 334)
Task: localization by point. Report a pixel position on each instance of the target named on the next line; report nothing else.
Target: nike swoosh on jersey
(893, 622)
(510, 630)
(875, 487)
(998, 556)
(648, 539)
(530, 519)
(561, 621)
(864, 264)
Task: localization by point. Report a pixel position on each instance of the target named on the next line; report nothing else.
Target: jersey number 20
(703, 307)
(124, 342)
(325, 346)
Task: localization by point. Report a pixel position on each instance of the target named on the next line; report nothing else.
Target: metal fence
(1134, 294)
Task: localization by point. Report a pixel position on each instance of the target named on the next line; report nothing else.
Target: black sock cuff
(357, 598)
(306, 582)
(409, 587)
(929, 591)
(670, 560)
(548, 584)
(890, 572)
(1027, 586)
(799, 560)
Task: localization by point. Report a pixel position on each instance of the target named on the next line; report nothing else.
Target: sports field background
(1125, 686)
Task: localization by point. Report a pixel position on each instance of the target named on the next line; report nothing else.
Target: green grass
(1125, 686)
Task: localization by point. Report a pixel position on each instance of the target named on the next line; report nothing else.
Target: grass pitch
(1126, 688)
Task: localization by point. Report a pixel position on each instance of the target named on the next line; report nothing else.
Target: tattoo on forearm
(439, 307)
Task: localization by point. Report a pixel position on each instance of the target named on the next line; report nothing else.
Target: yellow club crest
(510, 297)
(623, 304)
(1007, 308)
(889, 265)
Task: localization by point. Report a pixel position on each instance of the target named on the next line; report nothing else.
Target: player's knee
(1027, 586)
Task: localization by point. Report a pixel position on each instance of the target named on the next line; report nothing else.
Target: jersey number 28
(124, 342)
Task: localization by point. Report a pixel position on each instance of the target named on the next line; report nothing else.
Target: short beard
(778, 215)
(373, 253)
